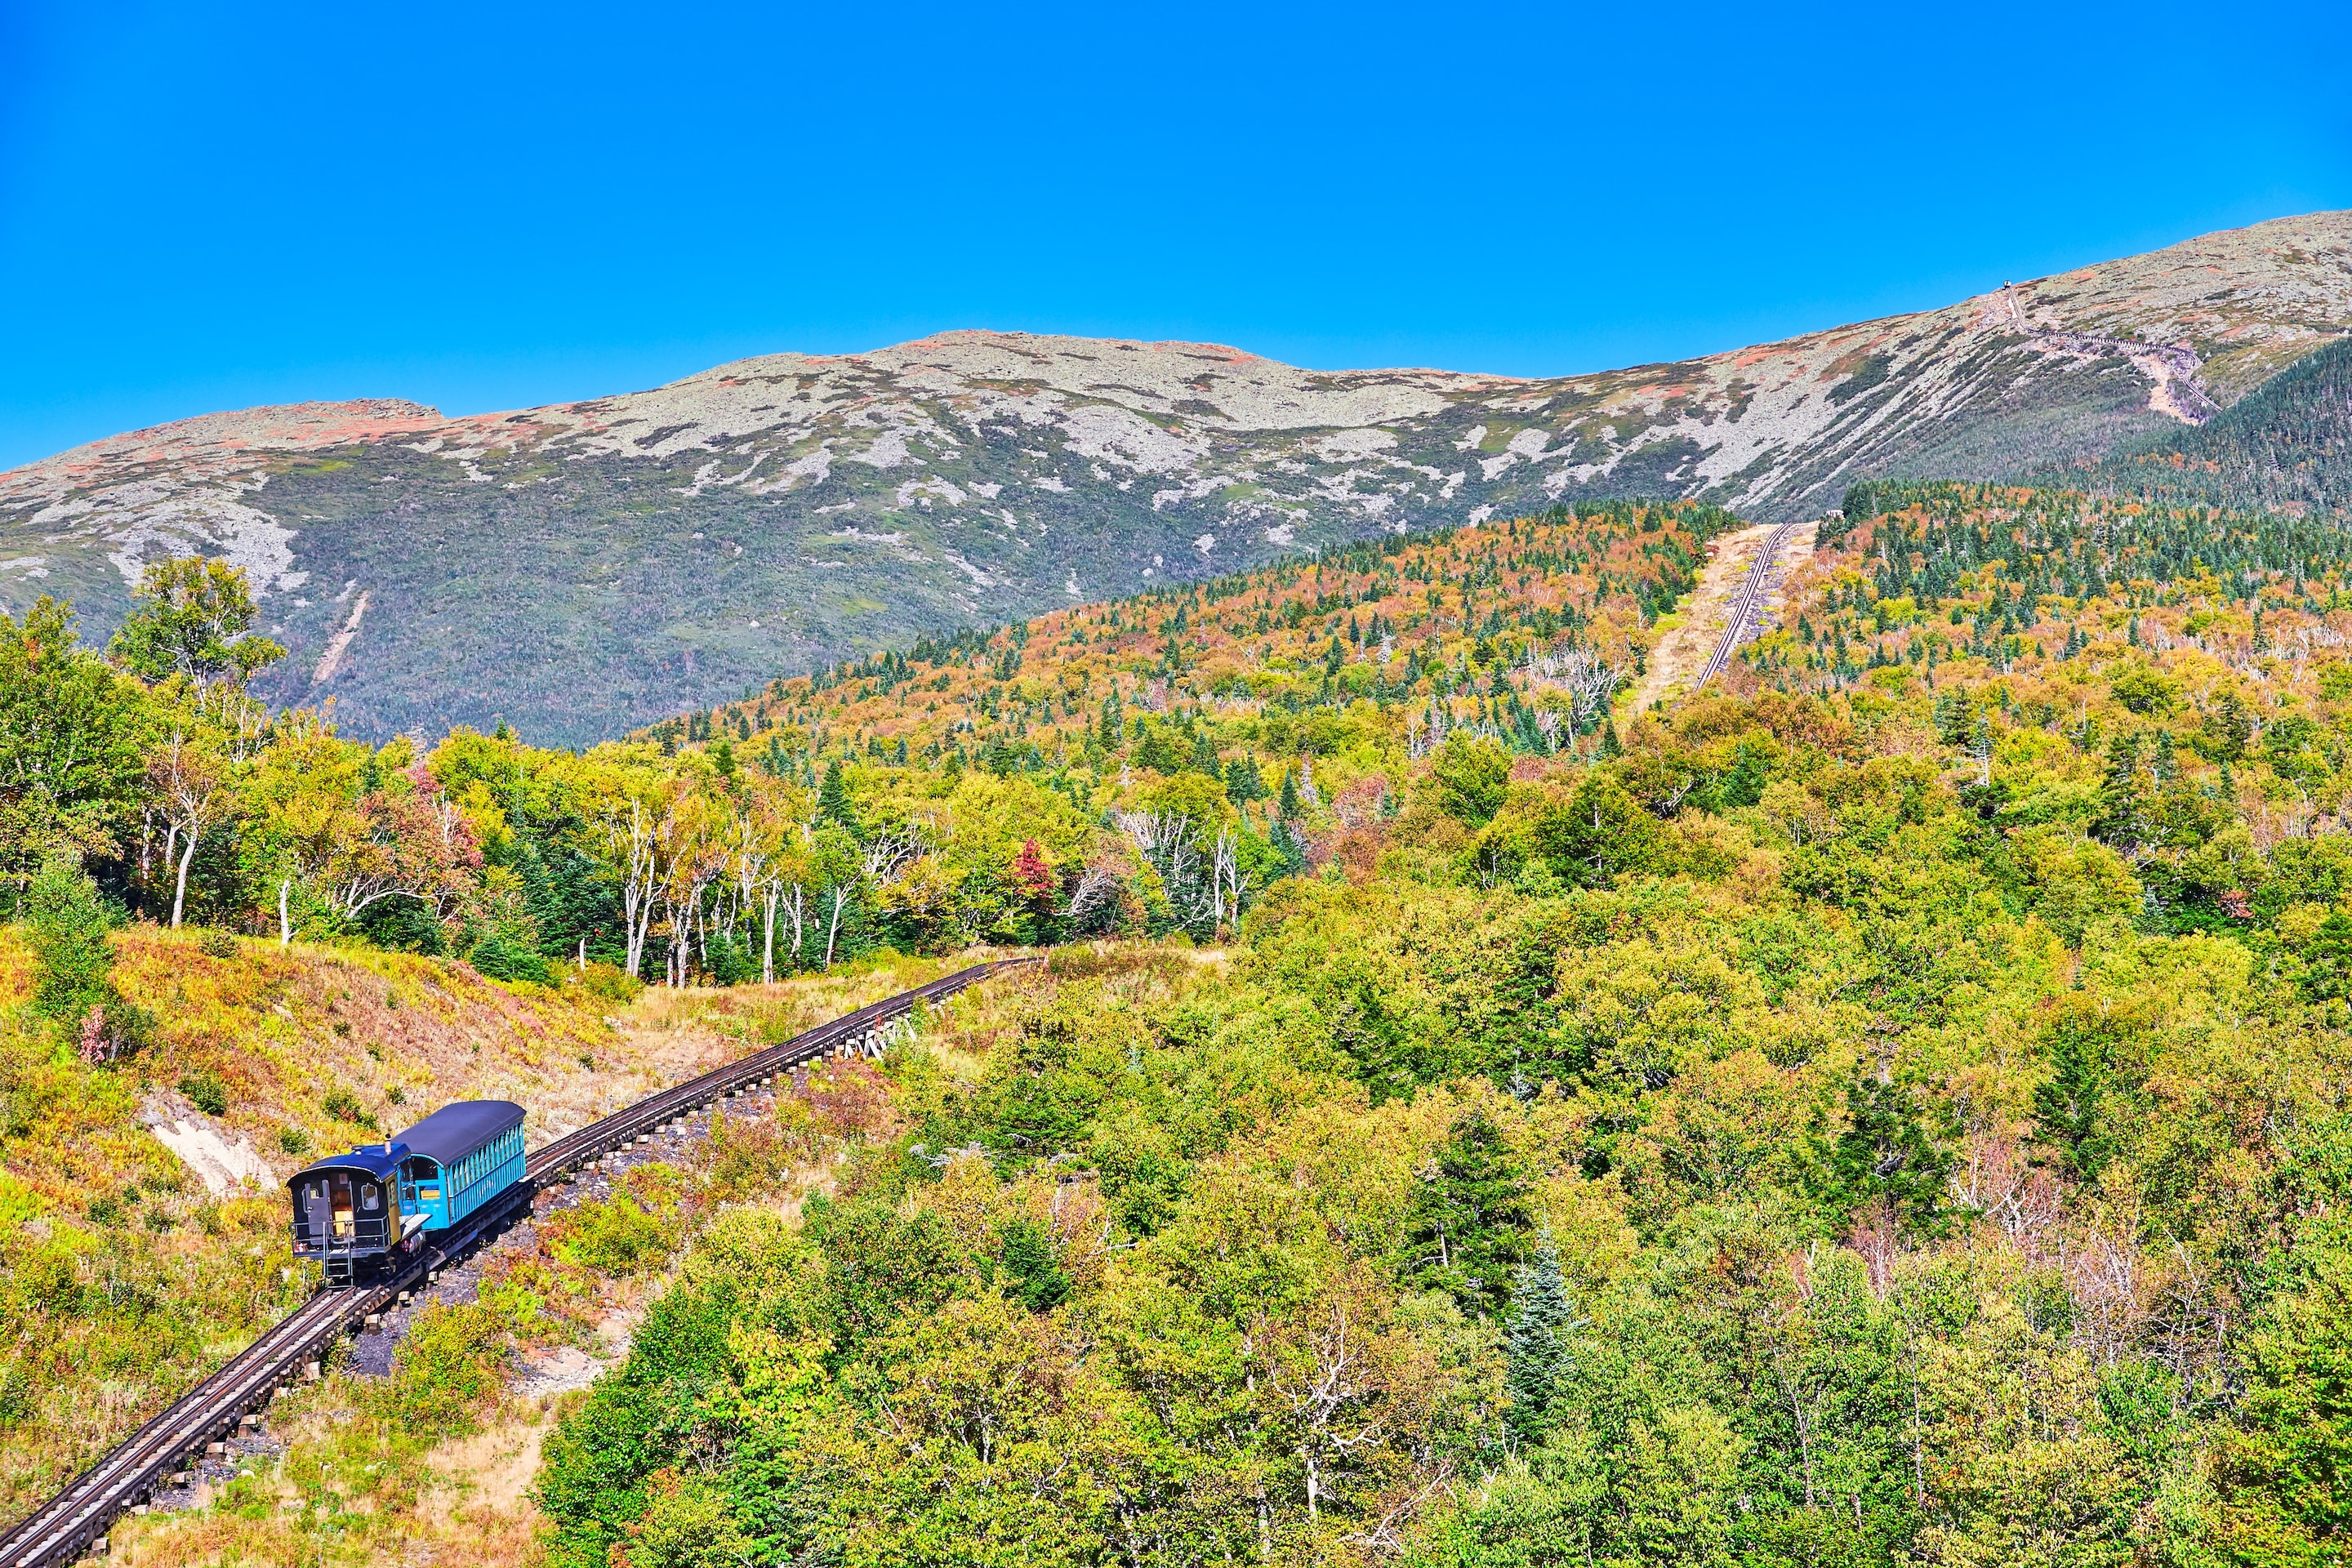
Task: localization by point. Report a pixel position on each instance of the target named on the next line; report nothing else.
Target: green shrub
(610, 983)
(15, 1396)
(502, 957)
(293, 1141)
(205, 1091)
(618, 1237)
(445, 1369)
(69, 924)
(217, 944)
(345, 1106)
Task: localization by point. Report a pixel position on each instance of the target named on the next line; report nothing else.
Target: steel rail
(67, 1526)
(1749, 600)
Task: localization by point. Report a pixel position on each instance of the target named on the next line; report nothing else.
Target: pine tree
(833, 799)
(1470, 1219)
(1886, 1154)
(2067, 1108)
(1205, 753)
(1535, 1351)
(1242, 780)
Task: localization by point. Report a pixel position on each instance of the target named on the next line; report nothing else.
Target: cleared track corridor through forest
(1725, 610)
(1747, 603)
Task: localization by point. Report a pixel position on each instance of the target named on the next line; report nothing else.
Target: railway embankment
(423, 1431)
(133, 1271)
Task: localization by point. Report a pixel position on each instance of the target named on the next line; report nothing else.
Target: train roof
(381, 1161)
(459, 1129)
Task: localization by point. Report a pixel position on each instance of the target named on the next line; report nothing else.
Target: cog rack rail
(1748, 605)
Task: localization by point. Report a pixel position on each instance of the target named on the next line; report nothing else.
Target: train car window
(367, 1198)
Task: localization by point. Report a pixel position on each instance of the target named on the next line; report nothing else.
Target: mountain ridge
(584, 567)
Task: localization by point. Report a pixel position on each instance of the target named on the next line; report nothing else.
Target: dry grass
(349, 1491)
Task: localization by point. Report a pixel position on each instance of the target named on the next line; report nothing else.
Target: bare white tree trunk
(639, 930)
(840, 901)
(768, 937)
(285, 924)
(1227, 881)
(180, 892)
(634, 846)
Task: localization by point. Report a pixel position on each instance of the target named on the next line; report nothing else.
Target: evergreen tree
(833, 803)
(68, 925)
(1535, 1349)
(2327, 958)
(2067, 1108)
(1884, 1155)
(1744, 785)
(1470, 1219)
(1242, 780)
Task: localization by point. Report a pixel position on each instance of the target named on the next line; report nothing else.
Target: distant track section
(1747, 605)
(70, 1525)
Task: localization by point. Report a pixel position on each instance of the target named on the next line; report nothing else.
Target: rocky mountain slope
(587, 567)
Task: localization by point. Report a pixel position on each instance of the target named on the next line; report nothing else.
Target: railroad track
(74, 1522)
(1746, 604)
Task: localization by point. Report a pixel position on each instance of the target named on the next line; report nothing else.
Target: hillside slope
(130, 1264)
(582, 568)
(2287, 447)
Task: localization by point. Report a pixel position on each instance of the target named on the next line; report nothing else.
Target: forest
(2287, 447)
(1888, 1107)
(1143, 767)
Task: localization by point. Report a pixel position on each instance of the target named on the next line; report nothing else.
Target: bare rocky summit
(582, 568)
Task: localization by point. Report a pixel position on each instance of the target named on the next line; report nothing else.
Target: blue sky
(498, 205)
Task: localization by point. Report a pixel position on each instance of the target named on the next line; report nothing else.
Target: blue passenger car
(351, 1211)
(460, 1157)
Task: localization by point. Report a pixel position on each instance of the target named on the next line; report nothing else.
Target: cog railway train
(352, 1212)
